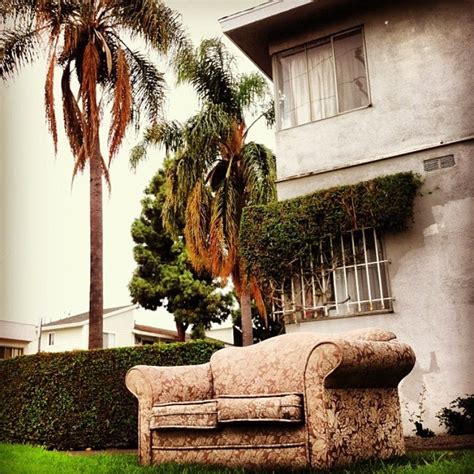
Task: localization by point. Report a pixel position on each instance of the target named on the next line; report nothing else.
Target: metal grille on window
(344, 276)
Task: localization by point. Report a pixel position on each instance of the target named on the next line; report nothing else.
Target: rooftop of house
(253, 29)
(83, 317)
(163, 333)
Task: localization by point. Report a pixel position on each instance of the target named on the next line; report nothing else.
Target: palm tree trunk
(181, 328)
(246, 318)
(96, 304)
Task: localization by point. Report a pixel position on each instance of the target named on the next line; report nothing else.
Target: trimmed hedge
(76, 400)
(276, 235)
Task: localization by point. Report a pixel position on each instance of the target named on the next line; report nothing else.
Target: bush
(276, 236)
(458, 419)
(76, 400)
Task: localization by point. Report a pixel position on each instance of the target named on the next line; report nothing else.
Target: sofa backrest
(276, 365)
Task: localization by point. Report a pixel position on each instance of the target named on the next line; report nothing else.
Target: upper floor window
(322, 79)
(51, 339)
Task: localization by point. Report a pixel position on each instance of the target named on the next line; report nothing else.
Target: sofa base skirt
(261, 445)
(289, 456)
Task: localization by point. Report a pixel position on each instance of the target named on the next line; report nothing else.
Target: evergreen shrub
(78, 399)
(458, 418)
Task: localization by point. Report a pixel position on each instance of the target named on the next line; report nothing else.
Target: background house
(17, 339)
(364, 89)
(120, 329)
(123, 326)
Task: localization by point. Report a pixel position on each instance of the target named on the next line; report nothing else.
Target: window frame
(304, 47)
(51, 338)
(109, 333)
(297, 313)
(9, 352)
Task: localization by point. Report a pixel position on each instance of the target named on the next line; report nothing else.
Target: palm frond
(18, 10)
(207, 132)
(89, 74)
(259, 173)
(49, 97)
(168, 134)
(73, 120)
(258, 298)
(172, 213)
(148, 86)
(181, 178)
(122, 105)
(252, 92)
(209, 70)
(151, 20)
(224, 225)
(269, 114)
(17, 49)
(196, 230)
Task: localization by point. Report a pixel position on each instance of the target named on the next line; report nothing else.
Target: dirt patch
(92, 452)
(441, 442)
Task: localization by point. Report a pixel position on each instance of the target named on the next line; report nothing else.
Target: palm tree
(85, 38)
(214, 172)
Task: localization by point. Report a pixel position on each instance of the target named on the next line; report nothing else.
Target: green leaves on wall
(275, 236)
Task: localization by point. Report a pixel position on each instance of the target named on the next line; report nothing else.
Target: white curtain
(294, 109)
(350, 71)
(321, 74)
(307, 80)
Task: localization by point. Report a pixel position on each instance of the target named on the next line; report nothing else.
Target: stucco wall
(420, 68)
(67, 339)
(64, 340)
(430, 275)
(121, 325)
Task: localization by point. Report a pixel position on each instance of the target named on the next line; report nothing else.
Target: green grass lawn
(19, 459)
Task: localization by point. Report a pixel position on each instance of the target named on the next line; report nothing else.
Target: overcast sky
(44, 241)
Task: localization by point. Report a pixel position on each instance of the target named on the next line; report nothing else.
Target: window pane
(109, 340)
(350, 71)
(321, 76)
(294, 92)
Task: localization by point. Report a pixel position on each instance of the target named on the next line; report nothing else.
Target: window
(9, 352)
(322, 79)
(109, 340)
(344, 276)
(51, 339)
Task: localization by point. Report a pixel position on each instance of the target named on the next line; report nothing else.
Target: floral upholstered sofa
(296, 400)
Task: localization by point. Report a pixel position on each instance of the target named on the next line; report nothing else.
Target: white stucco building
(369, 89)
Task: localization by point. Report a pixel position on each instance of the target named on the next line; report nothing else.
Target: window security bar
(342, 277)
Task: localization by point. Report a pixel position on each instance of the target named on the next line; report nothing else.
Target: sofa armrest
(153, 385)
(371, 364)
(344, 363)
(374, 369)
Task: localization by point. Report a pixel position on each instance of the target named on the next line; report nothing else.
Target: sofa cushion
(276, 408)
(190, 415)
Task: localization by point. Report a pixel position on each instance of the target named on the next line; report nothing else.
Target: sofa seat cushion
(275, 408)
(188, 415)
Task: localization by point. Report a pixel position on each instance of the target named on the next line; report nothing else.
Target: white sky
(44, 238)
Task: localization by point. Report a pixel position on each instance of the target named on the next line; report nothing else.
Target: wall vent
(434, 164)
